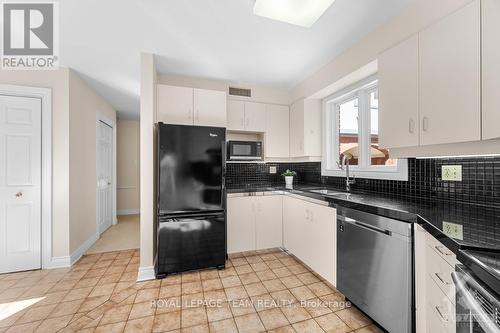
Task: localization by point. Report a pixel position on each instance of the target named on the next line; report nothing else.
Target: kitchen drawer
(441, 315)
(441, 250)
(440, 271)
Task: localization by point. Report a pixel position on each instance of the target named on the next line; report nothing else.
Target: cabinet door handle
(425, 124)
(438, 309)
(411, 126)
(197, 114)
(441, 279)
(242, 122)
(439, 248)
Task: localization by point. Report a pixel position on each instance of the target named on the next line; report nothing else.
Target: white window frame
(330, 156)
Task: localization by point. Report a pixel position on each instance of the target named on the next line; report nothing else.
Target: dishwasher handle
(365, 226)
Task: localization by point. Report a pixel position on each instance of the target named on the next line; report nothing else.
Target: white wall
(147, 172)
(74, 107)
(84, 105)
(127, 164)
(263, 94)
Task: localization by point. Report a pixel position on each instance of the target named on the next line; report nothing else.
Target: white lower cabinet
(240, 224)
(268, 222)
(434, 289)
(254, 222)
(309, 231)
(322, 238)
(293, 213)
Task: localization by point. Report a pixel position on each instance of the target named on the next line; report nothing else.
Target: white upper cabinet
(255, 117)
(246, 116)
(210, 108)
(491, 68)
(297, 129)
(305, 128)
(450, 78)
(398, 95)
(277, 139)
(235, 115)
(188, 106)
(174, 104)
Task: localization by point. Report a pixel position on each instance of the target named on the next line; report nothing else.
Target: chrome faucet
(345, 166)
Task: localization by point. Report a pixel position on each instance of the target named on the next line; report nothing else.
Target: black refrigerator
(191, 202)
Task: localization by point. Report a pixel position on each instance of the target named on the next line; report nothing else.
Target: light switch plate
(272, 170)
(451, 173)
(453, 230)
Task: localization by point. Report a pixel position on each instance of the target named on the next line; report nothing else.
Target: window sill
(397, 173)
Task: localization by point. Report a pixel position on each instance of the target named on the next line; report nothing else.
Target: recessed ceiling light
(299, 12)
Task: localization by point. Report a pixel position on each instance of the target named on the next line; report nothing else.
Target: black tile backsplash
(480, 179)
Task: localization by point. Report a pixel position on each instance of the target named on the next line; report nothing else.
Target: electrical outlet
(451, 173)
(272, 170)
(453, 230)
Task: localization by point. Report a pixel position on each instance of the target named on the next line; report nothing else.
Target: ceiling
(220, 39)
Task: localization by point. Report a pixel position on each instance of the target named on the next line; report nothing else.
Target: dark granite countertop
(479, 225)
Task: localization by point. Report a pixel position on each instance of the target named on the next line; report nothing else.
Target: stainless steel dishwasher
(374, 267)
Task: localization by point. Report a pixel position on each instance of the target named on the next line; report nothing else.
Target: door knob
(19, 194)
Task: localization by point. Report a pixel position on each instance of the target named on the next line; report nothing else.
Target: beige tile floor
(267, 291)
(122, 236)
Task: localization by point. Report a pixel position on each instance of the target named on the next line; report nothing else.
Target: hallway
(122, 236)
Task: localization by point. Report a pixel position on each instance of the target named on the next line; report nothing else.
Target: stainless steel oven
(477, 306)
(244, 150)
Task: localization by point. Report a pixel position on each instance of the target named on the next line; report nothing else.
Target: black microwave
(244, 150)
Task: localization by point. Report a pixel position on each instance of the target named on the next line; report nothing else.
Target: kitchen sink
(328, 192)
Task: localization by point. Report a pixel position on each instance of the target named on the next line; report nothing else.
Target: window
(350, 121)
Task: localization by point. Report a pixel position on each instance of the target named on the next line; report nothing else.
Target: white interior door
(20, 183)
(104, 176)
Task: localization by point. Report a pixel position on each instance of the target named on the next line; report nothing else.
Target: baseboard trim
(58, 262)
(132, 211)
(76, 255)
(146, 273)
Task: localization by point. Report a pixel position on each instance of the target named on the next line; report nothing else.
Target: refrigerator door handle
(223, 185)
